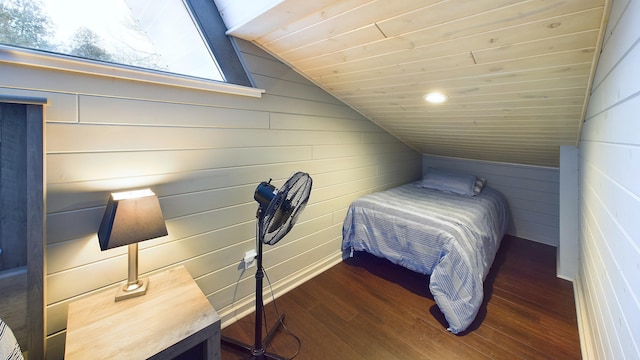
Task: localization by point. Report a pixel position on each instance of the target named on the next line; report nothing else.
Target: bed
(450, 236)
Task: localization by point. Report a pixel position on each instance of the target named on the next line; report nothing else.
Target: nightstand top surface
(173, 309)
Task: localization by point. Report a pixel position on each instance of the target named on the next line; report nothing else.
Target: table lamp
(131, 217)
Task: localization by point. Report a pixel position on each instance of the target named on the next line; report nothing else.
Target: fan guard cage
(284, 209)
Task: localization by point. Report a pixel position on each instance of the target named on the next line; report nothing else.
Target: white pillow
(449, 181)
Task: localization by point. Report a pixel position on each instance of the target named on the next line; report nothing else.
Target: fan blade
(281, 216)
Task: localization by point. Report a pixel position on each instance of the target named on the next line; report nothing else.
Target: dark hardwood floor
(368, 308)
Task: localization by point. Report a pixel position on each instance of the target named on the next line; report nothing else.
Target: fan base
(250, 350)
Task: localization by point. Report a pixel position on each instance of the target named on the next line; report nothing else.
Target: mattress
(453, 238)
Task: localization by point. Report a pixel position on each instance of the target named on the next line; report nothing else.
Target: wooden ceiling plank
(532, 128)
(485, 98)
(300, 24)
(575, 56)
(514, 33)
(533, 136)
(465, 105)
(503, 15)
(526, 131)
(485, 90)
(381, 70)
(497, 142)
(438, 41)
(248, 20)
(575, 41)
(408, 68)
(525, 155)
(514, 121)
(316, 56)
(357, 17)
(544, 160)
(367, 34)
(444, 12)
(566, 133)
(445, 80)
(532, 123)
(524, 150)
(541, 111)
(438, 13)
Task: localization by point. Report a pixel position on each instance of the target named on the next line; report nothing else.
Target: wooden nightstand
(173, 317)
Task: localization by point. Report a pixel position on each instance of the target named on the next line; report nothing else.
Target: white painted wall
(609, 276)
(568, 246)
(203, 153)
(532, 193)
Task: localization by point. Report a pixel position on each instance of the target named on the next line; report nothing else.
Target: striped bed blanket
(453, 238)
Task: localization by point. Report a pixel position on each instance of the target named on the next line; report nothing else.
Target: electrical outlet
(249, 259)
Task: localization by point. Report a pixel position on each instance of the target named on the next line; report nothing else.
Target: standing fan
(278, 211)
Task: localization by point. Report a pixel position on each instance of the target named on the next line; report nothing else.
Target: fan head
(265, 192)
(281, 208)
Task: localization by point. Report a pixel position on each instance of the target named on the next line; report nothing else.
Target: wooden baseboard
(245, 306)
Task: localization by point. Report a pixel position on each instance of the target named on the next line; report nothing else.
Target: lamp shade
(131, 217)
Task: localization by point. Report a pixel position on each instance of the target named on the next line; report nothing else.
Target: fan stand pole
(257, 351)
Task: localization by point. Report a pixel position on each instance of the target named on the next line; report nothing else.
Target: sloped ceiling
(517, 73)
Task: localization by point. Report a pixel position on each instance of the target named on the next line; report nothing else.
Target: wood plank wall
(609, 196)
(532, 193)
(203, 153)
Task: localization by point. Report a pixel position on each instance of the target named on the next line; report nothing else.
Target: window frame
(207, 17)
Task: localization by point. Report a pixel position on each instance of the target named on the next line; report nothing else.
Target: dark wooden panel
(368, 308)
(13, 188)
(22, 222)
(36, 237)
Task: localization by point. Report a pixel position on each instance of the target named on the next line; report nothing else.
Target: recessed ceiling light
(436, 97)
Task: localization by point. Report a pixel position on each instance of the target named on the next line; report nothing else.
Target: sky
(165, 27)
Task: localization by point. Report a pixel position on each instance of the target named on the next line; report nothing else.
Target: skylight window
(159, 35)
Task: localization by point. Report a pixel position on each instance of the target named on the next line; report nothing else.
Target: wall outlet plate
(249, 258)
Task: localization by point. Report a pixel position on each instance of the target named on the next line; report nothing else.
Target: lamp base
(129, 291)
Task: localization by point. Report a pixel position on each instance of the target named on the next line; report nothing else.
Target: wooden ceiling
(517, 72)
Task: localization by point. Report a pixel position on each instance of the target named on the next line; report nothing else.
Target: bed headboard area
(533, 193)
